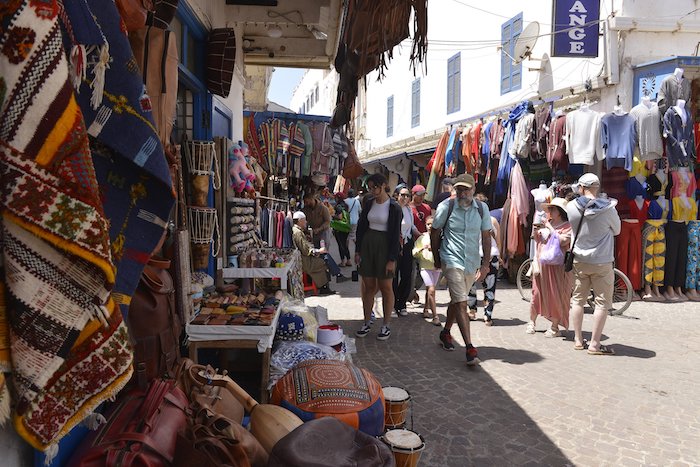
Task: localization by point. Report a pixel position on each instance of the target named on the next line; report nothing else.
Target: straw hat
(558, 202)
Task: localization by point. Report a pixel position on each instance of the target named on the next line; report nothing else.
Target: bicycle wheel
(524, 280)
(622, 294)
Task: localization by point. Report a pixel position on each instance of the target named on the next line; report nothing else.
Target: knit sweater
(618, 135)
(582, 136)
(648, 123)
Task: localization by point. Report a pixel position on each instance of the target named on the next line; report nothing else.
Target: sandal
(602, 351)
(581, 346)
(436, 321)
(530, 329)
(426, 314)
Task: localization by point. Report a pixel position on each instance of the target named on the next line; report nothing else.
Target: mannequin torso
(680, 109)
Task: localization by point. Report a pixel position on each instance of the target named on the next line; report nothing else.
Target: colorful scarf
(132, 172)
(68, 348)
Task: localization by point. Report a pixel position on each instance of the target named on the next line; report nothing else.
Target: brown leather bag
(141, 429)
(155, 51)
(154, 324)
(162, 14)
(134, 13)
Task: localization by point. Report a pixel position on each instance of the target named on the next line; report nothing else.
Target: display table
(236, 337)
(263, 273)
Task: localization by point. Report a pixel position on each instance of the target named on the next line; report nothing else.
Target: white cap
(299, 215)
(588, 179)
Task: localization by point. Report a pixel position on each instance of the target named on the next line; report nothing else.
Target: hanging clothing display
(648, 124)
(683, 209)
(670, 91)
(543, 118)
(654, 249)
(680, 137)
(658, 209)
(692, 272)
(556, 145)
(676, 254)
(683, 183)
(628, 252)
(582, 137)
(618, 138)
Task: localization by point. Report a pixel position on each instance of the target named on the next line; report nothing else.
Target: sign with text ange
(575, 28)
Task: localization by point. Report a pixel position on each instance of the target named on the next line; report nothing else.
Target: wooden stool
(309, 285)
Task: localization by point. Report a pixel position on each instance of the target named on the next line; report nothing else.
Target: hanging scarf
(507, 160)
(69, 350)
(436, 166)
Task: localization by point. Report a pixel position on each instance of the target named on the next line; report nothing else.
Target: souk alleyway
(537, 401)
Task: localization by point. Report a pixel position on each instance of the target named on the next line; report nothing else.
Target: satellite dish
(526, 42)
(545, 82)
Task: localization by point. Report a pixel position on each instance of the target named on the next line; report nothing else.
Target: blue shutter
(454, 83)
(415, 103)
(390, 116)
(511, 74)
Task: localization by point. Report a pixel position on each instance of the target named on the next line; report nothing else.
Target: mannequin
(654, 248)
(678, 74)
(684, 209)
(680, 108)
(678, 130)
(646, 100)
(541, 194)
(618, 110)
(672, 88)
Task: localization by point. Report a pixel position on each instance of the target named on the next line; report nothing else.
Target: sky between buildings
(284, 80)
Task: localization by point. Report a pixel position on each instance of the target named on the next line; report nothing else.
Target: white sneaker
(530, 329)
(402, 312)
(384, 333)
(552, 333)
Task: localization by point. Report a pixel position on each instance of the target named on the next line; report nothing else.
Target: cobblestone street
(537, 401)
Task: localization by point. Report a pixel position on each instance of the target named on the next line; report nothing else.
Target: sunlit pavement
(537, 401)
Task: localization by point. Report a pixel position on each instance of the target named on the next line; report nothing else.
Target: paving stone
(536, 401)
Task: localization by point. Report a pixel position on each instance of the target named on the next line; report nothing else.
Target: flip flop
(602, 351)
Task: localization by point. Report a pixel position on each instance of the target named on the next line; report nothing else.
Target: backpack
(437, 235)
(155, 51)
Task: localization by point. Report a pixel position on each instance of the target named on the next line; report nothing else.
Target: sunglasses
(404, 195)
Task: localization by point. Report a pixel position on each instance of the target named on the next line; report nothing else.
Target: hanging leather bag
(154, 324)
(141, 429)
(134, 13)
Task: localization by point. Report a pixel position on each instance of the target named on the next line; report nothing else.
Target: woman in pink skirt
(551, 285)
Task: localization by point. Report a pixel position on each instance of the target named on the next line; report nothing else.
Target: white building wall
(475, 34)
(304, 95)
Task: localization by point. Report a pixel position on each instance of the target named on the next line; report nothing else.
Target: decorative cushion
(290, 327)
(330, 388)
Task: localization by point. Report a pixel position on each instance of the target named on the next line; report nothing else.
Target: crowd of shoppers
(390, 237)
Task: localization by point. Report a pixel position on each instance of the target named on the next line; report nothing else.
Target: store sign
(576, 25)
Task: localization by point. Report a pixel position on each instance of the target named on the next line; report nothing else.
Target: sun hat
(558, 202)
(299, 215)
(330, 335)
(418, 189)
(465, 180)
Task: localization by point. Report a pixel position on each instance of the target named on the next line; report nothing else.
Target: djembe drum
(202, 222)
(200, 156)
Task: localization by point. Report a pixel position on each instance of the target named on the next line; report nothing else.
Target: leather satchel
(141, 429)
(154, 324)
(134, 13)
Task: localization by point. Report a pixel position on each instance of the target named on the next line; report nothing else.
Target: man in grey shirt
(594, 256)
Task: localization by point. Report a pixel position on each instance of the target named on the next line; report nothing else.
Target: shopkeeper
(311, 263)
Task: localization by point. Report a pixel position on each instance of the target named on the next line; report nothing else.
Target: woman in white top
(377, 251)
(404, 266)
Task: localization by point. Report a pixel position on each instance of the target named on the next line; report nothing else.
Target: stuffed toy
(238, 169)
(252, 179)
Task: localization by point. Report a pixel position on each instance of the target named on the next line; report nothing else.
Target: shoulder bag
(569, 255)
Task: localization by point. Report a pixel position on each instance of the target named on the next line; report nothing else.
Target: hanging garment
(670, 91)
(436, 166)
(582, 137)
(683, 183)
(497, 134)
(450, 154)
(523, 136)
(485, 148)
(556, 145)
(287, 241)
(641, 214)
(648, 124)
(264, 225)
(618, 138)
(676, 254)
(613, 183)
(308, 149)
(252, 139)
(474, 148)
(680, 138)
(692, 272)
(628, 252)
(639, 167)
(507, 162)
(657, 187)
(279, 234)
(323, 147)
(543, 118)
(654, 248)
(683, 209)
(658, 211)
(297, 146)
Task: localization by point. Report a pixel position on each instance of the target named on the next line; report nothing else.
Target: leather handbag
(134, 13)
(141, 429)
(154, 324)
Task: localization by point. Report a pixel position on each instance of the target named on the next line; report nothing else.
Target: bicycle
(622, 291)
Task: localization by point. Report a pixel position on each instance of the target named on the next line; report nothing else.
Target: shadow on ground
(461, 412)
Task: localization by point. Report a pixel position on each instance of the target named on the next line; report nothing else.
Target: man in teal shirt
(459, 254)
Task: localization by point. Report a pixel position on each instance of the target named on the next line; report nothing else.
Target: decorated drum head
(404, 439)
(395, 394)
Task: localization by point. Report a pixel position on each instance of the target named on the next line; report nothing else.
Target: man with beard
(462, 220)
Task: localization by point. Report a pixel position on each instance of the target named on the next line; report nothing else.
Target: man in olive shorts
(463, 220)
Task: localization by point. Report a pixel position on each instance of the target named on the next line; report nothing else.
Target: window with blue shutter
(454, 80)
(511, 73)
(390, 116)
(415, 103)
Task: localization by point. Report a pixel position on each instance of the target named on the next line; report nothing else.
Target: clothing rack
(273, 199)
